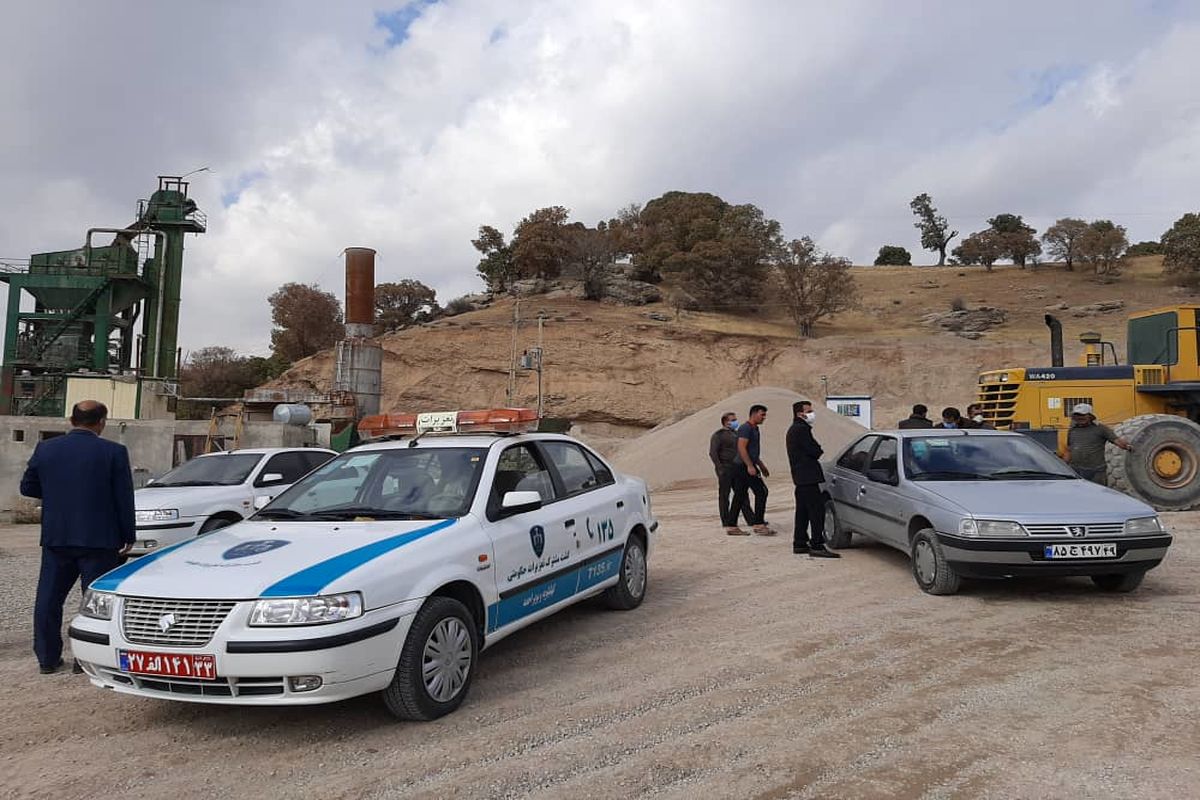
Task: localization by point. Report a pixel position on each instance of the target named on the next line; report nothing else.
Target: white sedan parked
(388, 569)
(215, 490)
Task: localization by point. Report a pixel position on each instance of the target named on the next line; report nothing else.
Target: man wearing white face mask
(804, 456)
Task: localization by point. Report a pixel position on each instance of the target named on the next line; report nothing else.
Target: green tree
(673, 224)
(593, 250)
(934, 228)
(812, 284)
(1144, 249)
(307, 320)
(1103, 246)
(220, 374)
(1062, 240)
(496, 267)
(1014, 238)
(404, 303)
(981, 247)
(540, 243)
(894, 256)
(1181, 249)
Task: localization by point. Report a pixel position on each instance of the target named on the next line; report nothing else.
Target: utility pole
(512, 357)
(541, 323)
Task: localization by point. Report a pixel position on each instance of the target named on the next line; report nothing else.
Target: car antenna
(413, 442)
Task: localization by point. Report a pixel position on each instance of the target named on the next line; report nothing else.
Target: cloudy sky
(405, 126)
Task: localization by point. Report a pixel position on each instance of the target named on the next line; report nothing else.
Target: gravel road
(747, 673)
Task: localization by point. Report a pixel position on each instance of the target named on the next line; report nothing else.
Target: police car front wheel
(436, 662)
(631, 588)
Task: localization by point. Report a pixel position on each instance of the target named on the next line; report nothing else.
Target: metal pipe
(360, 292)
(1056, 340)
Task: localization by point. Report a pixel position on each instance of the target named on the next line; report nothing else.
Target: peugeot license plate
(1073, 550)
(175, 665)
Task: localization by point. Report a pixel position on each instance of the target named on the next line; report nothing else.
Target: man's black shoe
(49, 669)
(821, 552)
(799, 550)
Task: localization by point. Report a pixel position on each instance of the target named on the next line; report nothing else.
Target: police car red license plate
(175, 665)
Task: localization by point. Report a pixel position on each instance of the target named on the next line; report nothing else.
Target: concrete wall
(151, 444)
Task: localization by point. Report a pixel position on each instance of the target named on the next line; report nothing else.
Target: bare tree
(813, 284)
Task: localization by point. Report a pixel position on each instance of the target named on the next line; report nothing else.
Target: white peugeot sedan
(387, 569)
(214, 490)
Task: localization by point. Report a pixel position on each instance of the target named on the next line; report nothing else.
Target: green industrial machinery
(87, 304)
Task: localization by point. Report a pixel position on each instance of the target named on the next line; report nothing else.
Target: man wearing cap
(1085, 444)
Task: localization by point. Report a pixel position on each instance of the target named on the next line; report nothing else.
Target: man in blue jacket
(86, 488)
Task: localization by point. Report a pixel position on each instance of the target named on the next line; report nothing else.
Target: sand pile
(677, 455)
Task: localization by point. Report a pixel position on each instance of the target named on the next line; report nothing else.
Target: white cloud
(829, 117)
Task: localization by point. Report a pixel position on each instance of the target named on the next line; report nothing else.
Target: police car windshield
(980, 458)
(214, 470)
(401, 483)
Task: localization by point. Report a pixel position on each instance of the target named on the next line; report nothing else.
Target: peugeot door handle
(620, 504)
(569, 523)
(862, 490)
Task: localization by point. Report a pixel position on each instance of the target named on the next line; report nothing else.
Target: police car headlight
(307, 610)
(981, 528)
(157, 515)
(97, 605)
(1143, 526)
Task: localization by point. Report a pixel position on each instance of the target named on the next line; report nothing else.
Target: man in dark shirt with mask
(723, 452)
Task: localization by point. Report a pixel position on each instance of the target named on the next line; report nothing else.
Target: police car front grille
(193, 624)
(1090, 530)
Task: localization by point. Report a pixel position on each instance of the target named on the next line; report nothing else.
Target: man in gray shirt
(723, 452)
(1085, 444)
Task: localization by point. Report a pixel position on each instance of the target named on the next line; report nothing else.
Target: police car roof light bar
(504, 421)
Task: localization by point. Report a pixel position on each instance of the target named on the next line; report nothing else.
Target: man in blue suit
(86, 488)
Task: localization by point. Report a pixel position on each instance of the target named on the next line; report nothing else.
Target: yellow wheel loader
(1152, 400)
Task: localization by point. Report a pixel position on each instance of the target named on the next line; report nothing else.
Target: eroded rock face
(627, 292)
(968, 321)
(1104, 307)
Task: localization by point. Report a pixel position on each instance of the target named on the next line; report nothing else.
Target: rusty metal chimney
(358, 368)
(360, 292)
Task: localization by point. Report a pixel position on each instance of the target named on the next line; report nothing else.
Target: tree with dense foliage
(307, 320)
(812, 284)
(981, 247)
(220, 374)
(1181, 249)
(934, 228)
(593, 251)
(540, 243)
(1016, 240)
(1103, 246)
(716, 252)
(1062, 240)
(404, 303)
(891, 255)
(496, 267)
(1144, 249)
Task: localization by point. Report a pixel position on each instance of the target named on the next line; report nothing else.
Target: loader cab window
(1154, 339)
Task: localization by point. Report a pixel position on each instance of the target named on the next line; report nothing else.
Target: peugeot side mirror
(883, 476)
(520, 502)
(260, 502)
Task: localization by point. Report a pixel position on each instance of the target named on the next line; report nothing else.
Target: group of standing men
(736, 453)
(951, 418)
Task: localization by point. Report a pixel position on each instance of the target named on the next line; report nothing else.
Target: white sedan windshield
(430, 483)
(215, 470)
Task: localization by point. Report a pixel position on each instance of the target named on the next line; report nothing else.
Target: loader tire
(1163, 468)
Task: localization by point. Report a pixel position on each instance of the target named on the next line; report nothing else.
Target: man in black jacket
(804, 456)
(723, 452)
(918, 419)
(86, 489)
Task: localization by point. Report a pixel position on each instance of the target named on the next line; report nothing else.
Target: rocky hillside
(618, 370)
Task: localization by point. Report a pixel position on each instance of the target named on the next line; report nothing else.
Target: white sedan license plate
(174, 665)
(1081, 550)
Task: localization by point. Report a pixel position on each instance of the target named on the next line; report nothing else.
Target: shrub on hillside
(958, 304)
(891, 255)
(459, 305)
(1145, 249)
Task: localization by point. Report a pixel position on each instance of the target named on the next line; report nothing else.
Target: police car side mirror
(270, 478)
(520, 502)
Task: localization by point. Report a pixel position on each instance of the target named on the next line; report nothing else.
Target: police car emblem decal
(253, 548)
(537, 538)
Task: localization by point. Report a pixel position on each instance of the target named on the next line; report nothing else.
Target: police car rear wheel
(437, 662)
(631, 586)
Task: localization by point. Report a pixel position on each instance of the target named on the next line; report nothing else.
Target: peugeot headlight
(307, 610)
(1142, 526)
(990, 528)
(157, 515)
(97, 605)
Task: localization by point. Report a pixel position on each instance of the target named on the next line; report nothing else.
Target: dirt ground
(748, 672)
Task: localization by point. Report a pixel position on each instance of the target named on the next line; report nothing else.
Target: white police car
(387, 569)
